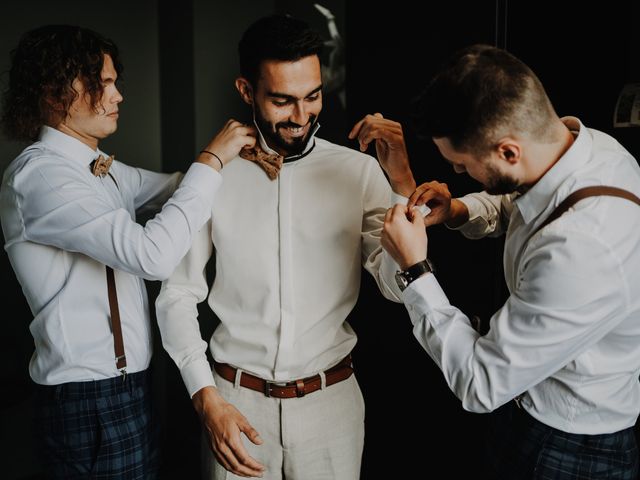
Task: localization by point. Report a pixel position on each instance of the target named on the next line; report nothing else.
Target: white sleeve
(555, 314)
(60, 207)
(488, 214)
(377, 199)
(177, 313)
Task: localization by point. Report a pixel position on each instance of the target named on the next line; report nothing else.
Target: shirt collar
(68, 146)
(307, 149)
(552, 187)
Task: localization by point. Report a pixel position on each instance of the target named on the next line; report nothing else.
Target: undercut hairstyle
(276, 37)
(480, 94)
(43, 68)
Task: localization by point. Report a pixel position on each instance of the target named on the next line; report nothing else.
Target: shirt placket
(287, 327)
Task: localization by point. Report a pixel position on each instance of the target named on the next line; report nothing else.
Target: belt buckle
(267, 388)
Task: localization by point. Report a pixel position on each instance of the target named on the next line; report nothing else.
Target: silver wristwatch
(405, 277)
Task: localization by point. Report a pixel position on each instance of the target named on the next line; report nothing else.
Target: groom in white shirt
(289, 242)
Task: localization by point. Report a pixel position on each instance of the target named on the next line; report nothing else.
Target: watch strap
(417, 270)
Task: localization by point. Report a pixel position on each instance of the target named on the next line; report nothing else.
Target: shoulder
(345, 154)
(35, 161)
(609, 154)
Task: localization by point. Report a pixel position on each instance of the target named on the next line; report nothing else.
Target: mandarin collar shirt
(288, 259)
(567, 340)
(62, 225)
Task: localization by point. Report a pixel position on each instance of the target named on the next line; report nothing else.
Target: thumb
(416, 216)
(378, 114)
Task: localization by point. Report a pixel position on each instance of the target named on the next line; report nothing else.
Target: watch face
(401, 281)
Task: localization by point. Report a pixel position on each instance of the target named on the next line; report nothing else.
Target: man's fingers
(387, 216)
(395, 211)
(221, 458)
(423, 198)
(251, 433)
(235, 464)
(356, 128)
(245, 459)
(245, 462)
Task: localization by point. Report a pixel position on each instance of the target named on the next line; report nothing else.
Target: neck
(545, 155)
(91, 142)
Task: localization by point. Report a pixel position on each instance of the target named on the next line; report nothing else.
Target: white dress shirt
(288, 255)
(62, 225)
(569, 333)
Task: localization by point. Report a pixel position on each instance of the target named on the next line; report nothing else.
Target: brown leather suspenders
(118, 343)
(585, 192)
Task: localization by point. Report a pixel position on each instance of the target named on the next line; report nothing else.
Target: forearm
(478, 215)
(458, 214)
(403, 183)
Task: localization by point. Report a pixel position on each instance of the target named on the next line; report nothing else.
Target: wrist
(209, 157)
(403, 185)
(414, 271)
(205, 398)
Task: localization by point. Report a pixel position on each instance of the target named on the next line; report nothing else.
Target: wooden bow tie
(271, 163)
(100, 166)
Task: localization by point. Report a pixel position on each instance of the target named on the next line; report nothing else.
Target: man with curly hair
(68, 214)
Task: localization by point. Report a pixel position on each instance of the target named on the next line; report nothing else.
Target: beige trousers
(316, 437)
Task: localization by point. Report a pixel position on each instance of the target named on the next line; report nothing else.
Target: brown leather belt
(292, 389)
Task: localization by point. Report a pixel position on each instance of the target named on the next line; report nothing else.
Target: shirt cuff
(204, 179)
(424, 295)
(197, 375)
(402, 200)
(475, 222)
(388, 269)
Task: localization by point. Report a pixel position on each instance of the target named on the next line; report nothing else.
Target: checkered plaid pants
(99, 430)
(520, 447)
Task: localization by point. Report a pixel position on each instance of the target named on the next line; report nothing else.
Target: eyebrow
(286, 96)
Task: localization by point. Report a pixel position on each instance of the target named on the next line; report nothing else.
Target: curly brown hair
(43, 68)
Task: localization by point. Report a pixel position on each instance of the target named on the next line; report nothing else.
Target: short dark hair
(478, 93)
(43, 67)
(276, 37)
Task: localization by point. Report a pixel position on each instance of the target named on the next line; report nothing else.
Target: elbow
(158, 271)
(476, 398)
(475, 406)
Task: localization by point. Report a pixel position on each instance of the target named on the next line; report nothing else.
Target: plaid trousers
(520, 447)
(99, 429)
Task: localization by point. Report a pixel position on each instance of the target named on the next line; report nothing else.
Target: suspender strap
(582, 193)
(118, 343)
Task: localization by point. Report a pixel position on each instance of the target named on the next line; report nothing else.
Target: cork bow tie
(270, 163)
(100, 166)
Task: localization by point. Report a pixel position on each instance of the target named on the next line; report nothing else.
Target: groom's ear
(246, 91)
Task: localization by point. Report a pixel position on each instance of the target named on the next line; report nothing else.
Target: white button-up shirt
(569, 333)
(288, 258)
(62, 225)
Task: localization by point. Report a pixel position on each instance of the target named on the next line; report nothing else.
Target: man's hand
(227, 143)
(224, 423)
(444, 209)
(390, 149)
(404, 236)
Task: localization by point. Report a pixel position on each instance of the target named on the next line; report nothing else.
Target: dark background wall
(180, 64)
